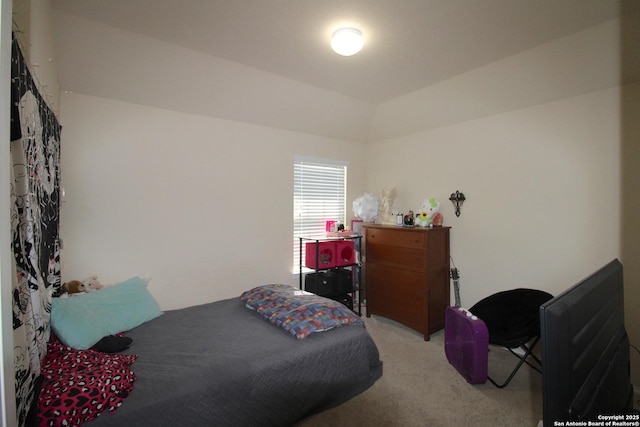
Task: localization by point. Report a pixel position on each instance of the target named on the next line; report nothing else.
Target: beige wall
(542, 188)
(33, 25)
(201, 205)
(630, 232)
(630, 191)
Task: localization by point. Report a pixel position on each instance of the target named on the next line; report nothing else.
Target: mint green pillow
(82, 320)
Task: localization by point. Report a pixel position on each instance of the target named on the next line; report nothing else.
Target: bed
(223, 364)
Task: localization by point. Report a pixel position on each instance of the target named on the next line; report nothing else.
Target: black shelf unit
(354, 292)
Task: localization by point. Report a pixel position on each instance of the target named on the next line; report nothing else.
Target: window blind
(319, 195)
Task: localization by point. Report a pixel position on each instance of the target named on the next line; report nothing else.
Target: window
(319, 192)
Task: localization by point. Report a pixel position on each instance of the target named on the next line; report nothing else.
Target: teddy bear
(74, 287)
(92, 284)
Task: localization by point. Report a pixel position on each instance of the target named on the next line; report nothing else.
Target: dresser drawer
(397, 294)
(406, 238)
(414, 259)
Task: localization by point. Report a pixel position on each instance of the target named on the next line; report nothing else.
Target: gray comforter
(221, 364)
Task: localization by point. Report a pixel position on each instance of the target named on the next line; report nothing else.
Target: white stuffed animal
(92, 284)
(77, 287)
(429, 214)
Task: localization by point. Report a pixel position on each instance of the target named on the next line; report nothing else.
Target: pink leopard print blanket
(78, 385)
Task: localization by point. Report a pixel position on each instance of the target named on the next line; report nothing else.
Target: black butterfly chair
(513, 321)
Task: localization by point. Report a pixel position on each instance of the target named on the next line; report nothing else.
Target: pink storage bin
(326, 255)
(345, 253)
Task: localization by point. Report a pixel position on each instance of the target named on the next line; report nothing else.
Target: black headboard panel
(585, 350)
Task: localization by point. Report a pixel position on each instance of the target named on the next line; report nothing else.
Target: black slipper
(112, 344)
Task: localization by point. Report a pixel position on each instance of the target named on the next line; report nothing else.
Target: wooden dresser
(407, 275)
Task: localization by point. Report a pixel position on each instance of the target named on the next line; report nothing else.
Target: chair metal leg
(530, 352)
(523, 359)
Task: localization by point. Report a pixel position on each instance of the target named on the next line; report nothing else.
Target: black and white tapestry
(35, 207)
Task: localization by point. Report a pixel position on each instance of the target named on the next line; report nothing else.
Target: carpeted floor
(420, 388)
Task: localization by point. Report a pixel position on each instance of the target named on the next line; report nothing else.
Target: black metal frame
(528, 352)
(356, 268)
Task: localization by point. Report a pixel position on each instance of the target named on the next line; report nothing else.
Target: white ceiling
(409, 44)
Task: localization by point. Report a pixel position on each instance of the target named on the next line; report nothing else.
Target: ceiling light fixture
(347, 41)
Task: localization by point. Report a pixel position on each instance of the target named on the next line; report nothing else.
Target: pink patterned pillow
(297, 312)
